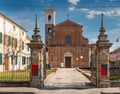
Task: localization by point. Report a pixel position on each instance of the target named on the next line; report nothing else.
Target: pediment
(68, 23)
(68, 53)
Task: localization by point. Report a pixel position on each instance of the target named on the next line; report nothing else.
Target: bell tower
(49, 25)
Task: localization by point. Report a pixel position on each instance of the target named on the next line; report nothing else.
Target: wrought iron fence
(12, 70)
(15, 75)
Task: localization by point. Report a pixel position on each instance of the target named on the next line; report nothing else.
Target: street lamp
(81, 57)
(77, 61)
(117, 40)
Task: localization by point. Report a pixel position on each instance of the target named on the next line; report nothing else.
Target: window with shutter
(0, 37)
(22, 45)
(9, 40)
(15, 42)
(16, 60)
(23, 60)
(0, 58)
(12, 41)
(4, 39)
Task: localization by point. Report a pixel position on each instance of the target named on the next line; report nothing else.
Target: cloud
(83, 9)
(114, 32)
(118, 24)
(109, 12)
(90, 15)
(92, 41)
(74, 2)
(96, 0)
(72, 8)
(114, 46)
(22, 21)
(112, 0)
(41, 1)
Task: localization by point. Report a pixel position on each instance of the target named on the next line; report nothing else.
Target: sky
(84, 12)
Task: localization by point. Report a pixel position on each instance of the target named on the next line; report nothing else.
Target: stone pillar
(102, 59)
(93, 65)
(36, 46)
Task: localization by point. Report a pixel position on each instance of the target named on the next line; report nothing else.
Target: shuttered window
(15, 42)
(22, 45)
(0, 58)
(0, 37)
(9, 40)
(16, 60)
(23, 60)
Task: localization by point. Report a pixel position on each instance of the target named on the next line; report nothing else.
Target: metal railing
(16, 75)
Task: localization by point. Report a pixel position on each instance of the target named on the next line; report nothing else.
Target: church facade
(67, 47)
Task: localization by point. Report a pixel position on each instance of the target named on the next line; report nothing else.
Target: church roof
(68, 23)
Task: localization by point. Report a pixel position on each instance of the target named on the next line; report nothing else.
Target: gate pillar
(37, 66)
(102, 74)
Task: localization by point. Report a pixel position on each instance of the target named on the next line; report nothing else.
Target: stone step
(17, 93)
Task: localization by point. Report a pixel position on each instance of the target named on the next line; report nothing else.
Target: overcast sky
(84, 12)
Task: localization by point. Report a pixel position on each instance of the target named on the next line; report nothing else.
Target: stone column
(36, 45)
(102, 59)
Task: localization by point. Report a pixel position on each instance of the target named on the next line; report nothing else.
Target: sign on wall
(34, 69)
(103, 69)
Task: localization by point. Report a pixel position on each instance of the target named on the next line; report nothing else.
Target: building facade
(14, 53)
(115, 58)
(67, 47)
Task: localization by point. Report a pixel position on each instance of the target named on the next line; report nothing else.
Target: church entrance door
(68, 62)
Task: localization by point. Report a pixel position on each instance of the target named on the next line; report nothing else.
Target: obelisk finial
(102, 22)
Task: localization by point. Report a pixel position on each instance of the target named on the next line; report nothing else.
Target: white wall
(7, 27)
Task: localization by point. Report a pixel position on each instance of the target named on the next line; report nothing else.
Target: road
(68, 78)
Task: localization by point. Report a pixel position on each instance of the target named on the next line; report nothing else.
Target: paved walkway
(64, 80)
(67, 78)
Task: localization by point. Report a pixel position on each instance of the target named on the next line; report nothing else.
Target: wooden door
(6, 61)
(68, 62)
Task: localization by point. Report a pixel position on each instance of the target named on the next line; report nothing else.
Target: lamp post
(77, 61)
(117, 40)
(81, 57)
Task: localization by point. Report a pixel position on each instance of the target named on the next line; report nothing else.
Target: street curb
(45, 81)
(85, 74)
(18, 90)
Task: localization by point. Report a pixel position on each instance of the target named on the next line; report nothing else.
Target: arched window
(49, 18)
(49, 30)
(68, 40)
